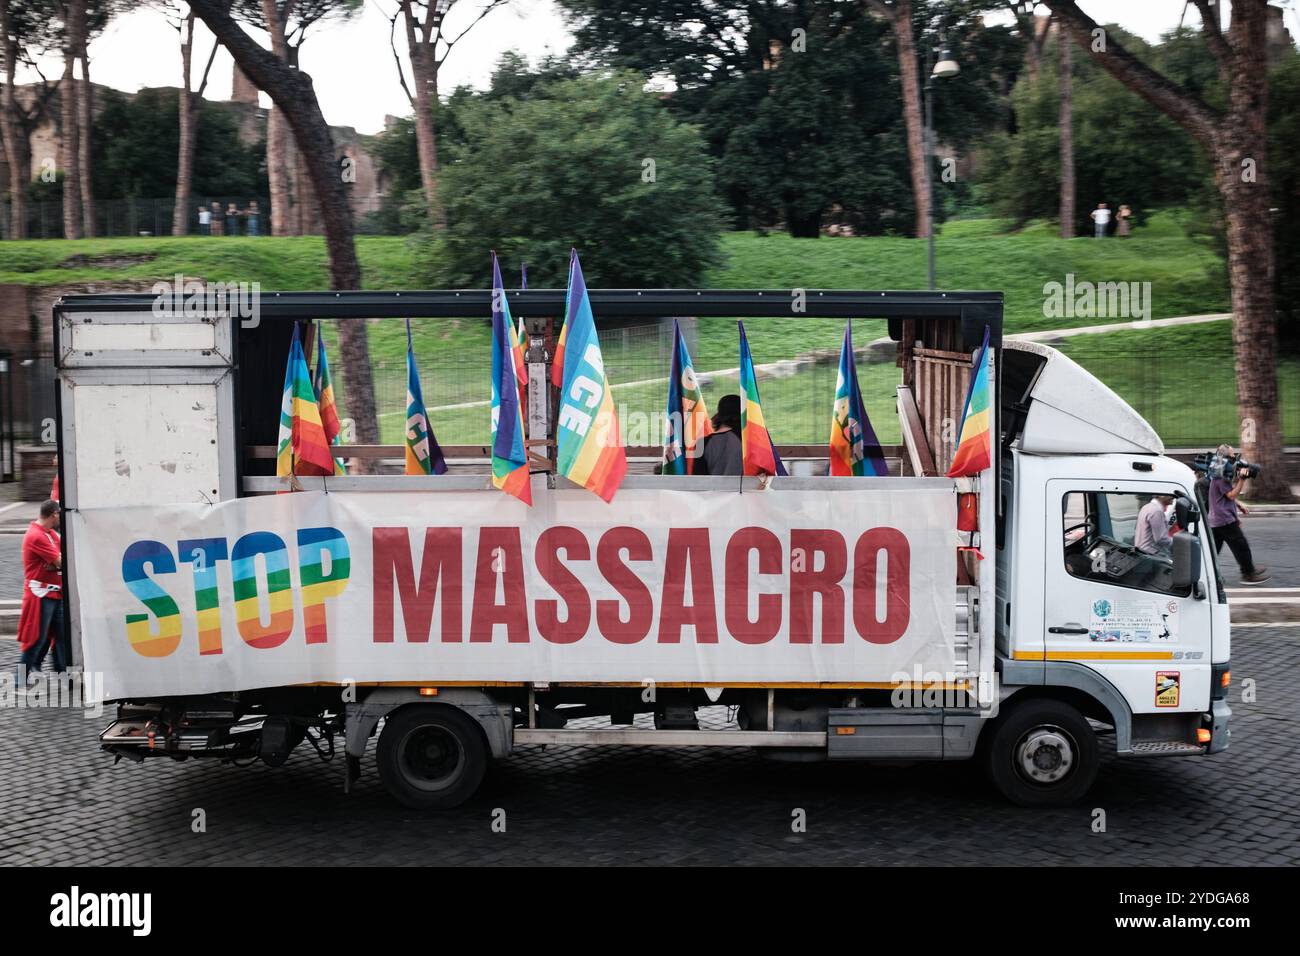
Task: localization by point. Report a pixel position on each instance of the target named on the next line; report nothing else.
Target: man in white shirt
(1152, 535)
(1100, 218)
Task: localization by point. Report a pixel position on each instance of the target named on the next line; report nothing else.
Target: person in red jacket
(40, 621)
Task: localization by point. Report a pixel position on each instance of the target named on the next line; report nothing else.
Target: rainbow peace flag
(423, 455)
(688, 418)
(521, 330)
(323, 386)
(509, 459)
(757, 448)
(557, 360)
(974, 453)
(519, 333)
(589, 448)
(303, 448)
(855, 449)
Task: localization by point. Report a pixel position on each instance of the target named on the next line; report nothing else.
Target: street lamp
(946, 66)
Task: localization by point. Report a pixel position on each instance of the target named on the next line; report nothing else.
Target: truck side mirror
(1186, 512)
(1187, 561)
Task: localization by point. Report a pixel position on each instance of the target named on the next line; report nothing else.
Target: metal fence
(1188, 397)
(27, 387)
(153, 217)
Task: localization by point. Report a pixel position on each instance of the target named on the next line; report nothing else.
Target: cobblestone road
(64, 802)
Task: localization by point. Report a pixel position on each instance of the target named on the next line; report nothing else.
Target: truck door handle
(1068, 629)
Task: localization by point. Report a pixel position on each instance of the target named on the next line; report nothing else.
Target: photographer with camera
(1228, 476)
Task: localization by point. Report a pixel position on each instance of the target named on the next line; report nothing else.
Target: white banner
(778, 586)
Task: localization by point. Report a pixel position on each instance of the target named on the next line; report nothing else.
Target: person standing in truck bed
(720, 452)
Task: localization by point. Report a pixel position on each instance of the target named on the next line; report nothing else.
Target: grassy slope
(283, 263)
(1186, 277)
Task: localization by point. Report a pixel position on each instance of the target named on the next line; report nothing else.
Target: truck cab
(1137, 639)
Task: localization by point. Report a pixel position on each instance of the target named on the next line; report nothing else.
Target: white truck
(812, 617)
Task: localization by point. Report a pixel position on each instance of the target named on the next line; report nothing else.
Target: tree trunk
(279, 151)
(1033, 62)
(421, 47)
(1254, 337)
(1241, 165)
(68, 148)
(295, 167)
(304, 199)
(188, 115)
(909, 77)
(292, 92)
(1066, 81)
(426, 141)
(85, 128)
(1036, 29)
(15, 151)
(277, 174)
(1237, 142)
(189, 107)
(184, 159)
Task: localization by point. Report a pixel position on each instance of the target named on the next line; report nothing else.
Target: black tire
(1042, 753)
(431, 757)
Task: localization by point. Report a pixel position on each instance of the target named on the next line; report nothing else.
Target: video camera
(1214, 465)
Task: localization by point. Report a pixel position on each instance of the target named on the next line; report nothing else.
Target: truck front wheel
(431, 757)
(1043, 753)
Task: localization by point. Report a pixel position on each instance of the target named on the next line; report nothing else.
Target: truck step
(619, 736)
(1165, 748)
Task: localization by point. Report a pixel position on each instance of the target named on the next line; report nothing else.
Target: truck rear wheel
(431, 757)
(1043, 753)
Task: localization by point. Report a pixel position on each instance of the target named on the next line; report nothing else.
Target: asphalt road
(64, 802)
(1275, 543)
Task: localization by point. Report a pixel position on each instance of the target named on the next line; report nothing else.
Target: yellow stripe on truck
(1093, 655)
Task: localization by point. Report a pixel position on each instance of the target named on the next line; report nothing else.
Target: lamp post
(946, 66)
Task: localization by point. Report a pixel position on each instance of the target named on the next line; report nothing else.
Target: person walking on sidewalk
(41, 615)
(1225, 521)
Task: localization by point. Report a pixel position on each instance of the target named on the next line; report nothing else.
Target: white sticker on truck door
(1139, 620)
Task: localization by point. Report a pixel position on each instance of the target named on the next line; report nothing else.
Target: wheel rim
(431, 758)
(1045, 755)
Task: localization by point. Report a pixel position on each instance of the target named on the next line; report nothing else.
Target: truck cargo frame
(937, 334)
